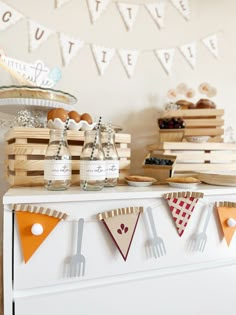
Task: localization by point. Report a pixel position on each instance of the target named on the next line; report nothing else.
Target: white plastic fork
(156, 244)
(201, 238)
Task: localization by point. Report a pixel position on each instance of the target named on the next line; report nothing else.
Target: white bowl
(197, 139)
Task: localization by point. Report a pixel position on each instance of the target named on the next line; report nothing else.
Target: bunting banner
(8, 16)
(166, 57)
(211, 43)
(69, 47)
(60, 3)
(129, 13)
(129, 59)
(227, 216)
(37, 34)
(181, 205)
(34, 225)
(103, 57)
(121, 224)
(189, 52)
(183, 7)
(157, 12)
(96, 8)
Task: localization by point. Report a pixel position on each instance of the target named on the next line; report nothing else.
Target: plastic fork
(201, 239)
(156, 244)
(76, 265)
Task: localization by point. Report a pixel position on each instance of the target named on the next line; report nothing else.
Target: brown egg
(50, 114)
(74, 115)
(87, 117)
(60, 113)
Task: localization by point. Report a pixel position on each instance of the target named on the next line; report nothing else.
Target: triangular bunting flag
(128, 13)
(60, 3)
(129, 59)
(226, 212)
(157, 11)
(103, 57)
(181, 206)
(37, 34)
(183, 7)
(34, 225)
(189, 52)
(121, 224)
(166, 57)
(96, 8)
(211, 43)
(9, 16)
(69, 47)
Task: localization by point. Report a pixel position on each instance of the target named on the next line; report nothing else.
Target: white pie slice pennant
(181, 206)
(37, 34)
(96, 8)
(129, 59)
(103, 57)
(157, 12)
(69, 47)
(183, 7)
(211, 43)
(60, 3)
(128, 13)
(9, 16)
(189, 53)
(121, 224)
(166, 57)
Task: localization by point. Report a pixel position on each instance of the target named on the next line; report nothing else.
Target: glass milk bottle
(111, 158)
(92, 162)
(58, 162)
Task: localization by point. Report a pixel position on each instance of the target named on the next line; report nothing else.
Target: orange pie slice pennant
(34, 228)
(121, 224)
(226, 213)
(181, 205)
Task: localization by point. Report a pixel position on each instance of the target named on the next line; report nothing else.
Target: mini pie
(139, 178)
(189, 180)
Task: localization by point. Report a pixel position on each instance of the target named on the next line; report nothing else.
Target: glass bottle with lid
(57, 162)
(111, 157)
(92, 162)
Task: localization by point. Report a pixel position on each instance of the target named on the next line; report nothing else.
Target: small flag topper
(121, 224)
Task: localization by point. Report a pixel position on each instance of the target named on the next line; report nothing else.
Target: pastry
(139, 178)
(183, 104)
(186, 180)
(205, 103)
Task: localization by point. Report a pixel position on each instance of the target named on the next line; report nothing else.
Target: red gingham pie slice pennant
(181, 206)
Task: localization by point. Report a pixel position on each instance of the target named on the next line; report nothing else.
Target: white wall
(131, 103)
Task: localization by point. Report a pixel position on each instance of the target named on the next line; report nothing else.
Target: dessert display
(57, 117)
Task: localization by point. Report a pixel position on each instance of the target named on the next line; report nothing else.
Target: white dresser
(181, 282)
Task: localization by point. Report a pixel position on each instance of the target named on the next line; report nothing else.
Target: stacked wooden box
(200, 122)
(26, 147)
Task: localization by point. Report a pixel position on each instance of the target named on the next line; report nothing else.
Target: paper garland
(227, 211)
(103, 57)
(129, 59)
(121, 224)
(129, 13)
(181, 206)
(60, 3)
(96, 8)
(38, 34)
(8, 16)
(166, 57)
(183, 7)
(30, 219)
(211, 43)
(69, 46)
(189, 52)
(157, 12)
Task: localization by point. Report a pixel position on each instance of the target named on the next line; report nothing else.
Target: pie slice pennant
(181, 205)
(227, 211)
(34, 226)
(121, 224)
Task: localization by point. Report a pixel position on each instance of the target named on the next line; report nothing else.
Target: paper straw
(94, 145)
(109, 139)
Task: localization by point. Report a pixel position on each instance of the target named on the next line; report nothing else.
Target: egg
(87, 118)
(74, 115)
(60, 113)
(50, 114)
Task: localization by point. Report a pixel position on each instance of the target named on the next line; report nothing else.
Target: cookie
(188, 180)
(139, 178)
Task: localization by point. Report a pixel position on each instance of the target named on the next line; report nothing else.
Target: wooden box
(201, 122)
(196, 157)
(26, 147)
(160, 172)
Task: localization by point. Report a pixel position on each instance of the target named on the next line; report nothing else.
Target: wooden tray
(218, 178)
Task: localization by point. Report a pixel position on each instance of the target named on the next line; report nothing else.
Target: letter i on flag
(103, 57)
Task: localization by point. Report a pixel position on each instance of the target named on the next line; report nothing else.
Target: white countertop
(40, 194)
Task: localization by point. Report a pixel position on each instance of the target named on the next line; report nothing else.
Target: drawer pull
(37, 229)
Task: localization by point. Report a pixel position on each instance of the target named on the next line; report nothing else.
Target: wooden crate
(195, 157)
(26, 147)
(201, 122)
